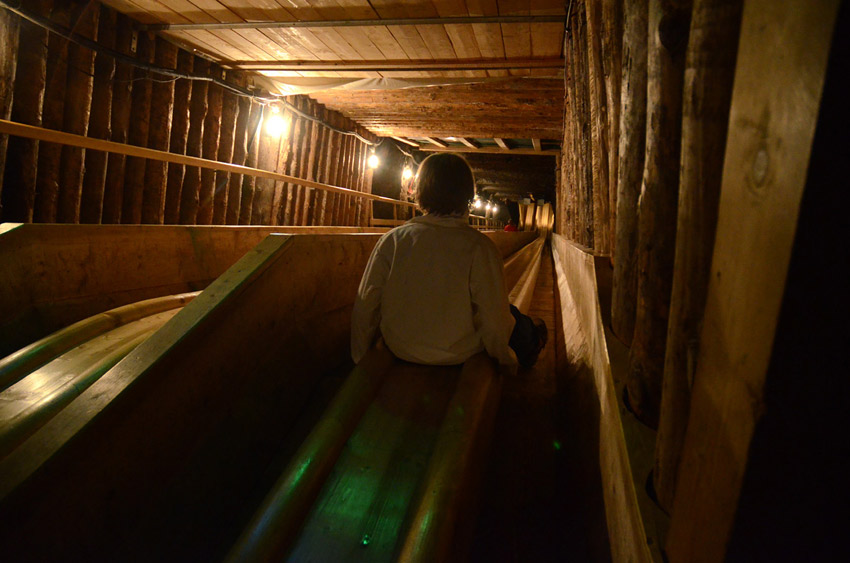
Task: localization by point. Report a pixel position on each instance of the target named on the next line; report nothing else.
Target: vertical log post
(324, 170)
(190, 192)
(249, 182)
(240, 149)
(598, 129)
(9, 26)
(310, 171)
(333, 168)
(159, 136)
(122, 88)
(584, 214)
(27, 105)
(283, 156)
(50, 154)
(179, 136)
(630, 168)
(100, 116)
(612, 61)
(76, 118)
(709, 70)
(209, 150)
(134, 173)
(267, 157)
(294, 192)
(669, 23)
(227, 134)
(570, 149)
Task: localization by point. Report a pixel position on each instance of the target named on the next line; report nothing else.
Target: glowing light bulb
(488, 207)
(477, 204)
(275, 124)
(373, 161)
(495, 208)
(407, 173)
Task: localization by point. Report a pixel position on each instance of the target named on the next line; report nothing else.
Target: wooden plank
(437, 142)
(598, 130)
(140, 109)
(629, 168)
(710, 69)
(159, 136)
(431, 63)
(285, 152)
(775, 102)
(55, 275)
(502, 143)
(229, 111)
(190, 191)
(612, 64)
(310, 172)
(492, 150)
(267, 157)
(76, 116)
(94, 177)
(658, 203)
(113, 191)
(584, 336)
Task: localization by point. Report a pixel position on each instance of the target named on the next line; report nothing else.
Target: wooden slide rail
(206, 395)
(461, 439)
(80, 141)
(18, 364)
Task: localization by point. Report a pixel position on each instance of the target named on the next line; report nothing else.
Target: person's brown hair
(444, 184)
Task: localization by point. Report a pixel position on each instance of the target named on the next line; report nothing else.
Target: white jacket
(436, 289)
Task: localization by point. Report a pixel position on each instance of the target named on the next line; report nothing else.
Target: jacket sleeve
(366, 315)
(493, 318)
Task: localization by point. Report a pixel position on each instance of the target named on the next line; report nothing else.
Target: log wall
(48, 81)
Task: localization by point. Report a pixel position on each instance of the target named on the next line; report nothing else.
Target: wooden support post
(310, 172)
(294, 168)
(267, 158)
(50, 154)
(113, 190)
(229, 112)
(159, 136)
(134, 173)
(283, 157)
(249, 182)
(612, 62)
(240, 149)
(324, 170)
(76, 116)
(709, 70)
(94, 176)
(569, 166)
(9, 26)
(333, 169)
(190, 192)
(212, 129)
(598, 129)
(669, 23)
(584, 211)
(630, 168)
(179, 136)
(316, 199)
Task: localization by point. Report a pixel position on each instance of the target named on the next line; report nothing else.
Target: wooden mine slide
(164, 452)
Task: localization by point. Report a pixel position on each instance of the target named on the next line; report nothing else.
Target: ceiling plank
(536, 144)
(490, 150)
(406, 141)
(471, 143)
(396, 65)
(358, 23)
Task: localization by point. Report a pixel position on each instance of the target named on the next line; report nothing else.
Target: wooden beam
(501, 142)
(536, 144)
(437, 142)
(472, 143)
(490, 150)
(357, 23)
(397, 65)
(130, 150)
(408, 142)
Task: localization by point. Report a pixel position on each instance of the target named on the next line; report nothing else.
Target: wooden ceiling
(513, 48)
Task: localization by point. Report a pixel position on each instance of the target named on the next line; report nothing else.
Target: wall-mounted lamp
(373, 160)
(406, 173)
(275, 124)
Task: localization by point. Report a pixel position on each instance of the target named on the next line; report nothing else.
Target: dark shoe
(542, 334)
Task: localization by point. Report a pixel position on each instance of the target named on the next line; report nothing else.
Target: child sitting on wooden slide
(434, 288)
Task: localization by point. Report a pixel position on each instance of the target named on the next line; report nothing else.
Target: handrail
(53, 136)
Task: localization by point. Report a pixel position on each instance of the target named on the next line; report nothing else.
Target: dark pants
(525, 340)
